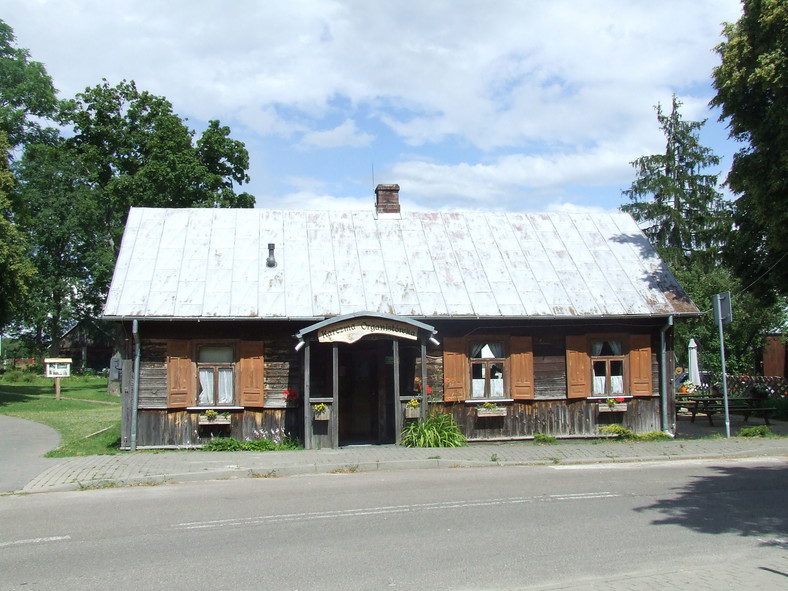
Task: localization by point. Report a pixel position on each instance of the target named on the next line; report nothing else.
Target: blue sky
(468, 105)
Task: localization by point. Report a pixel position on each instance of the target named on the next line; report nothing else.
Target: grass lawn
(87, 418)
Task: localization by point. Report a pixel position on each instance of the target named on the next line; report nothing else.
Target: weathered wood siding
(557, 418)
(282, 373)
(180, 428)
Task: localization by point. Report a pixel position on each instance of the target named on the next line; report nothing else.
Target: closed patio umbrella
(694, 370)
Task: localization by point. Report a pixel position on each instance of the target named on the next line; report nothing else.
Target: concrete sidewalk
(149, 467)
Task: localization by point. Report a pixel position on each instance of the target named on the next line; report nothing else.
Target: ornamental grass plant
(439, 430)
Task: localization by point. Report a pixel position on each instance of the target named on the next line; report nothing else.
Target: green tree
(688, 222)
(677, 204)
(743, 337)
(752, 90)
(61, 225)
(16, 272)
(135, 151)
(26, 92)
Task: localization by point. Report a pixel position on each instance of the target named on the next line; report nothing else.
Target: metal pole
(308, 430)
(424, 382)
(135, 331)
(718, 314)
(397, 400)
(334, 421)
(664, 388)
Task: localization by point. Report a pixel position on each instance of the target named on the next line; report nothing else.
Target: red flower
(620, 399)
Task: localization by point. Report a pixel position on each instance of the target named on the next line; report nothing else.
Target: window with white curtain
(607, 359)
(215, 370)
(487, 370)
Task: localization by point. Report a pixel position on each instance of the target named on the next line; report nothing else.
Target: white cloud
(457, 96)
(346, 134)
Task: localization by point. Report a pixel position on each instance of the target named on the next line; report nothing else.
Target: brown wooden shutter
(180, 374)
(456, 371)
(640, 365)
(251, 370)
(521, 362)
(578, 367)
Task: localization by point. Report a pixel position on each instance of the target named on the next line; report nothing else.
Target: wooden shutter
(180, 374)
(578, 367)
(521, 362)
(251, 369)
(456, 371)
(640, 365)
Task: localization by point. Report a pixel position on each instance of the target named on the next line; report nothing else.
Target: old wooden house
(242, 322)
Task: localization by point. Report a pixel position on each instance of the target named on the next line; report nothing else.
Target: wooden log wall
(180, 428)
(557, 418)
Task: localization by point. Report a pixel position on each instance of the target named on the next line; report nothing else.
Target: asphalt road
(708, 525)
(22, 445)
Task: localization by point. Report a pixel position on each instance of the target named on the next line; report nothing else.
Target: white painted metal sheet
(211, 263)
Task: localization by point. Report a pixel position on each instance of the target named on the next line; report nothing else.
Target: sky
(497, 105)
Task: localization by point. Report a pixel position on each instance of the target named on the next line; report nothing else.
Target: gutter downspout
(663, 395)
(135, 331)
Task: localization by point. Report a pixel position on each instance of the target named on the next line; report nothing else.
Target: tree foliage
(688, 222)
(743, 337)
(61, 226)
(16, 272)
(675, 201)
(752, 90)
(26, 92)
(138, 152)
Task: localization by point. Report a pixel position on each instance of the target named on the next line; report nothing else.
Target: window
(607, 359)
(215, 369)
(487, 370)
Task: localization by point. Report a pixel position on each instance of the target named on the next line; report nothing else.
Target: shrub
(439, 430)
(542, 439)
(230, 444)
(627, 435)
(757, 431)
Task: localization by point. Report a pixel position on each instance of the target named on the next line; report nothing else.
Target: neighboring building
(261, 314)
(88, 347)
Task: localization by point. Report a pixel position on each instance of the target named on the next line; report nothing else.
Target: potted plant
(613, 405)
(321, 412)
(412, 409)
(490, 409)
(212, 417)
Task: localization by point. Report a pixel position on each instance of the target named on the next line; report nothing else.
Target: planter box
(323, 416)
(412, 413)
(617, 407)
(220, 420)
(490, 412)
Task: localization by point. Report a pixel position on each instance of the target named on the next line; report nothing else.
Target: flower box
(323, 416)
(412, 412)
(490, 412)
(219, 420)
(617, 407)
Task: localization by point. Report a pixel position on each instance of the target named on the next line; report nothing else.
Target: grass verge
(87, 418)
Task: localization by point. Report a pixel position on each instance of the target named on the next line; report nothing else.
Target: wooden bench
(711, 405)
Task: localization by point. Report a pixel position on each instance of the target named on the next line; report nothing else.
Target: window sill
(613, 396)
(473, 401)
(217, 408)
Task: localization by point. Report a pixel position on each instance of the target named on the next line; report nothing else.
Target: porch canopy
(350, 328)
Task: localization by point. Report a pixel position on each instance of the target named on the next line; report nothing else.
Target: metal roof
(211, 264)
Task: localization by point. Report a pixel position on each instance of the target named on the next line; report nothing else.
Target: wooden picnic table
(711, 405)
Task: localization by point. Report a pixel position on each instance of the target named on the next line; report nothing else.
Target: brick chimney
(387, 201)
